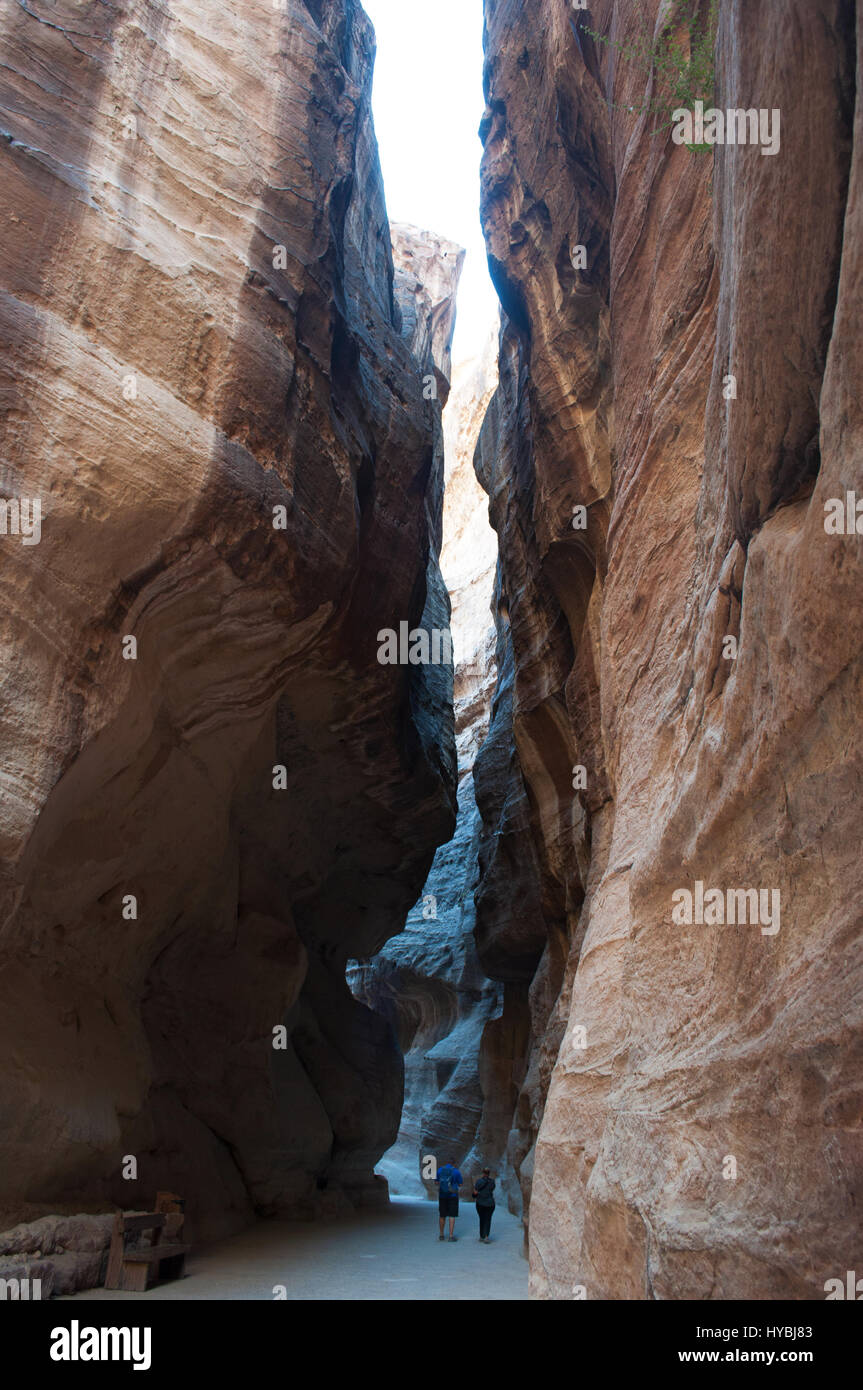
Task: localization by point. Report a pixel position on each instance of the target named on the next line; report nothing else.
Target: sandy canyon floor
(391, 1254)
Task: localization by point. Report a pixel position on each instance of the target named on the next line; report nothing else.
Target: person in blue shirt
(448, 1180)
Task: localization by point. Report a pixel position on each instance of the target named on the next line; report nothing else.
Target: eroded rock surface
(658, 1051)
(208, 381)
(66, 1254)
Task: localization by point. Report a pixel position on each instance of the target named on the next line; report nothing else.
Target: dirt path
(393, 1254)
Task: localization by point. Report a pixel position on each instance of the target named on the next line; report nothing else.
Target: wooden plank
(135, 1277)
(135, 1268)
(163, 1251)
(114, 1272)
(150, 1221)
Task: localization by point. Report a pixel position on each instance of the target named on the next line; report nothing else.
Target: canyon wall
(427, 981)
(213, 378)
(679, 638)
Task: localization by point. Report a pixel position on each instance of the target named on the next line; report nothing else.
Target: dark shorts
(447, 1205)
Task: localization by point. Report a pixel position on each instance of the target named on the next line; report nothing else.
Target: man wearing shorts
(449, 1180)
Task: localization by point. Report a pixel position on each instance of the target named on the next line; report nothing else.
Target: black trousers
(484, 1214)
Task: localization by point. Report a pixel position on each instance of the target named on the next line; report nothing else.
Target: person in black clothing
(484, 1194)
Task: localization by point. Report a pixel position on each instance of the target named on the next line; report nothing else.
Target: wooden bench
(146, 1246)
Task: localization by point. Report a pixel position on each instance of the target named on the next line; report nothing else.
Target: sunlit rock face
(689, 1124)
(208, 382)
(426, 267)
(428, 981)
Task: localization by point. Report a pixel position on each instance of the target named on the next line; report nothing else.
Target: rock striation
(679, 663)
(213, 792)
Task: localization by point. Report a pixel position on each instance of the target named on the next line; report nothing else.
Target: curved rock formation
(679, 663)
(209, 383)
(428, 981)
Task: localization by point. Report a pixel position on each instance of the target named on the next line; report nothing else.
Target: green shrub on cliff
(680, 60)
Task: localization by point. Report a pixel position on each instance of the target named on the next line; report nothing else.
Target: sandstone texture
(656, 1051)
(212, 378)
(428, 980)
(67, 1254)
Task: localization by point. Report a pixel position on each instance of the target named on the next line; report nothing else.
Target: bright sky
(427, 107)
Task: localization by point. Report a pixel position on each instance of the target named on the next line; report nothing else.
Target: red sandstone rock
(256, 378)
(705, 519)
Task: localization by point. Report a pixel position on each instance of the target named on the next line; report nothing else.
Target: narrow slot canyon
(431, 656)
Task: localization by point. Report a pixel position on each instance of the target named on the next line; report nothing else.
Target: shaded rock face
(208, 380)
(428, 981)
(689, 1124)
(527, 895)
